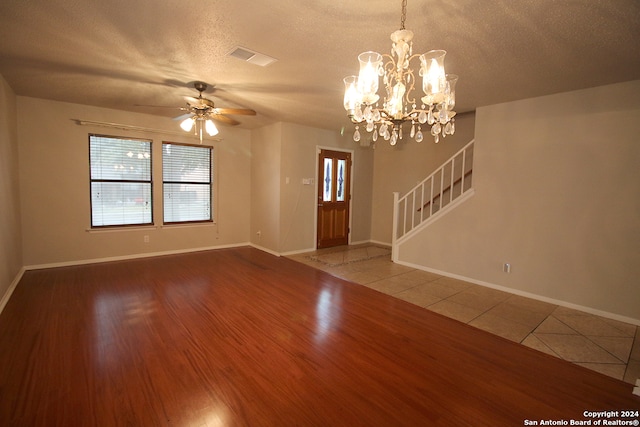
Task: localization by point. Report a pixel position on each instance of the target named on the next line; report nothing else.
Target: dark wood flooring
(238, 337)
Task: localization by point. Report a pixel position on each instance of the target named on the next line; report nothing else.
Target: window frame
(130, 181)
(210, 183)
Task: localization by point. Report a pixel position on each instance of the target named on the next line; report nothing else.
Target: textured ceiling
(128, 54)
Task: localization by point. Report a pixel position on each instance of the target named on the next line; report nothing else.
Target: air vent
(251, 56)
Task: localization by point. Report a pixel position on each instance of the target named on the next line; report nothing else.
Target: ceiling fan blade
(183, 116)
(224, 119)
(161, 106)
(235, 111)
(198, 102)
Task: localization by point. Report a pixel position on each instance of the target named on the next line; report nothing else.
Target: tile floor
(604, 345)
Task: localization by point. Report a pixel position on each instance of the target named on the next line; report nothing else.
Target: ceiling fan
(201, 114)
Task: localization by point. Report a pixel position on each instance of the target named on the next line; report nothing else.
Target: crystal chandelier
(398, 105)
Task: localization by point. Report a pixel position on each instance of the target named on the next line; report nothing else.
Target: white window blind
(186, 171)
(120, 181)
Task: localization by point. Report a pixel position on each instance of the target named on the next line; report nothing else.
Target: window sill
(115, 228)
(189, 225)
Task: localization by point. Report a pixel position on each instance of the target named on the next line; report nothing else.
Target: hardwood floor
(238, 337)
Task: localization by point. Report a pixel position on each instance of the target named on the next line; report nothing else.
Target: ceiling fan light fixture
(187, 124)
(201, 114)
(210, 127)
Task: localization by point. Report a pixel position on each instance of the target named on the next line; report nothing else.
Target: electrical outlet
(146, 238)
(506, 268)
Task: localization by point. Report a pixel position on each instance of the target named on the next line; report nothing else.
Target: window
(186, 171)
(120, 181)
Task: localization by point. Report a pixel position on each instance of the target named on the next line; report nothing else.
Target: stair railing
(431, 196)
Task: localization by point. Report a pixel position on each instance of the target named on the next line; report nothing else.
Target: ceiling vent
(251, 56)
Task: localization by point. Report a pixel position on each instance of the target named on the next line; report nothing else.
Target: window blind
(121, 186)
(186, 171)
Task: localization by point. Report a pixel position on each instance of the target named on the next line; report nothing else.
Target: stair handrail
(397, 200)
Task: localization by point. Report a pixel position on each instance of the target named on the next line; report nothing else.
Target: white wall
(251, 191)
(557, 185)
(54, 187)
(299, 202)
(10, 235)
(283, 209)
(266, 146)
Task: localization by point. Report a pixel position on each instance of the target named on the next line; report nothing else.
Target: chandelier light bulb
(433, 76)
(395, 103)
(351, 95)
(368, 77)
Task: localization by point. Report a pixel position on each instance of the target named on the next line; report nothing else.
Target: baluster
(453, 168)
(441, 188)
(431, 198)
(464, 171)
(421, 202)
(413, 209)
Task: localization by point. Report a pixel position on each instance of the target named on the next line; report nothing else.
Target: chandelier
(399, 105)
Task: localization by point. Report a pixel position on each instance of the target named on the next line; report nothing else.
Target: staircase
(445, 188)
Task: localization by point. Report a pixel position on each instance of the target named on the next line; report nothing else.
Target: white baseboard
(606, 314)
(359, 242)
(5, 298)
(133, 256)
(377, 242)
(301, 251)
(267, 250)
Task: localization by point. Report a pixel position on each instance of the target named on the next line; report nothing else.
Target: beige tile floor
(604, 345)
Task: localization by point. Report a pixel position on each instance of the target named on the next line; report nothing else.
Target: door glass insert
(327, 180)
(340, 180)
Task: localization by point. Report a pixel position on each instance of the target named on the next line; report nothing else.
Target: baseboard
(173, 252)
(377, 242)
(133, 256)
(267, 250)
(12, 287)
(525, 294)
(359, 242)
(300, 251)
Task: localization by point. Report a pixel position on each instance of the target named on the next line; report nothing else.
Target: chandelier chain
(404, 14)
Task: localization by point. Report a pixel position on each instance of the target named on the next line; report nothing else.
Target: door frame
(315, 199)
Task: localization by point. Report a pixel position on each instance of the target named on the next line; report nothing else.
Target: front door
(334, 183)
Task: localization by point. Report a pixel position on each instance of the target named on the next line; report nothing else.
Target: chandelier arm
(385, 117)
(390, 64)
(410, 87)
